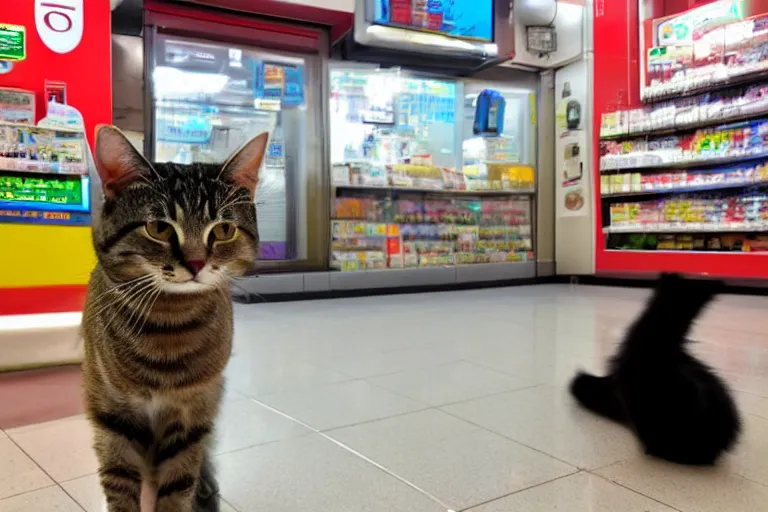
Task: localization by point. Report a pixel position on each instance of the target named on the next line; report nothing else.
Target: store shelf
(425, 190)
(676, 251)
(501, 162)
(693, 227)
(679, 164)
(35, 127)
(692, 86)
(685, 127)
(679, 190)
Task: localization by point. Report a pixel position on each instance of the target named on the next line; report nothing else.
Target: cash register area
(397, 403)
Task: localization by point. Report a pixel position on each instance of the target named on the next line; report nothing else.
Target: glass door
(210, 98)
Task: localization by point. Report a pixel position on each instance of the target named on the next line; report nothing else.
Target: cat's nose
(196, 265)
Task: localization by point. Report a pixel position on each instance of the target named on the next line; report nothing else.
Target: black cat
(681, 411)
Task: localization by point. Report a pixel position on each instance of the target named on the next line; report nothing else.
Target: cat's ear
(242, 168)
(117, 162)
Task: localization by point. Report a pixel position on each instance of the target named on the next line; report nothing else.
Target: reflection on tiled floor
(39, 395)
(429, 403)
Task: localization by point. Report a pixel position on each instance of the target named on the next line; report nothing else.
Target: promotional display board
(43, 180)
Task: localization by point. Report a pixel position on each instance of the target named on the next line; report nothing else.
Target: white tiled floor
(429, 403)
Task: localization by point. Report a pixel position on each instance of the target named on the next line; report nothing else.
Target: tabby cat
(158, 318)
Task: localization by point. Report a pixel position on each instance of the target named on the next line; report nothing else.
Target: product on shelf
(623, 183)
(359, 245)
(362, 208)
(687, 112)
(414, 147)
(33, 149)
(690, 213)
(720, 54)
(736, 140)
(491, 176)
(17, 106)
(404, 232)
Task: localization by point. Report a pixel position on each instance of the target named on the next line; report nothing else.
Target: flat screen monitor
(463, 19)
(478, 29)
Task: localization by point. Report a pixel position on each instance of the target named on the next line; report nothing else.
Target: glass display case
(209, 98)
(415, 183)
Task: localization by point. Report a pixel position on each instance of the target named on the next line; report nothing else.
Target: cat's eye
(159, 230)
(223, 232)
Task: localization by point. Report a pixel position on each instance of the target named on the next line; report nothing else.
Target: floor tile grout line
(354, 452)
(412, 369)
(259, 445)
(750, 393)
(534, 486)
(510, 439)
(656, 500)
(496, 370)
(431, 406)
(55, 484)
(300, 389)
(34, 461)
(72, 497)
(748, 479)
(374, 420)
(221, 498)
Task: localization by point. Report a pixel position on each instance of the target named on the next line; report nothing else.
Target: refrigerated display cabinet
(415, 188)
(209, 98)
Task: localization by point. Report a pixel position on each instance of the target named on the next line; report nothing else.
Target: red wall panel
(87, 72)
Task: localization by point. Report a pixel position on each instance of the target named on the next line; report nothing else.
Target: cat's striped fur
(158, 319)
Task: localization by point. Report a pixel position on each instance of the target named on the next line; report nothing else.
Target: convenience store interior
(436, 192)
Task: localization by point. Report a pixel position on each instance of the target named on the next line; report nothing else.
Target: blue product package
(489, 113)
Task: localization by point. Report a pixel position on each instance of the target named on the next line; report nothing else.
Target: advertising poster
(13, 42)
(571, 168)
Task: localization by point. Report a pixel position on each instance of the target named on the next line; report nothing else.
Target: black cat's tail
(671, 311)
(598, 394)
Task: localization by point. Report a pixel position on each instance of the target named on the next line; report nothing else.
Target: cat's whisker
(157, 294)
(129, 298)
(230, 195)
(123, 285)
(142, 302)
(233, 281)
(124, 288)
(237, 203)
